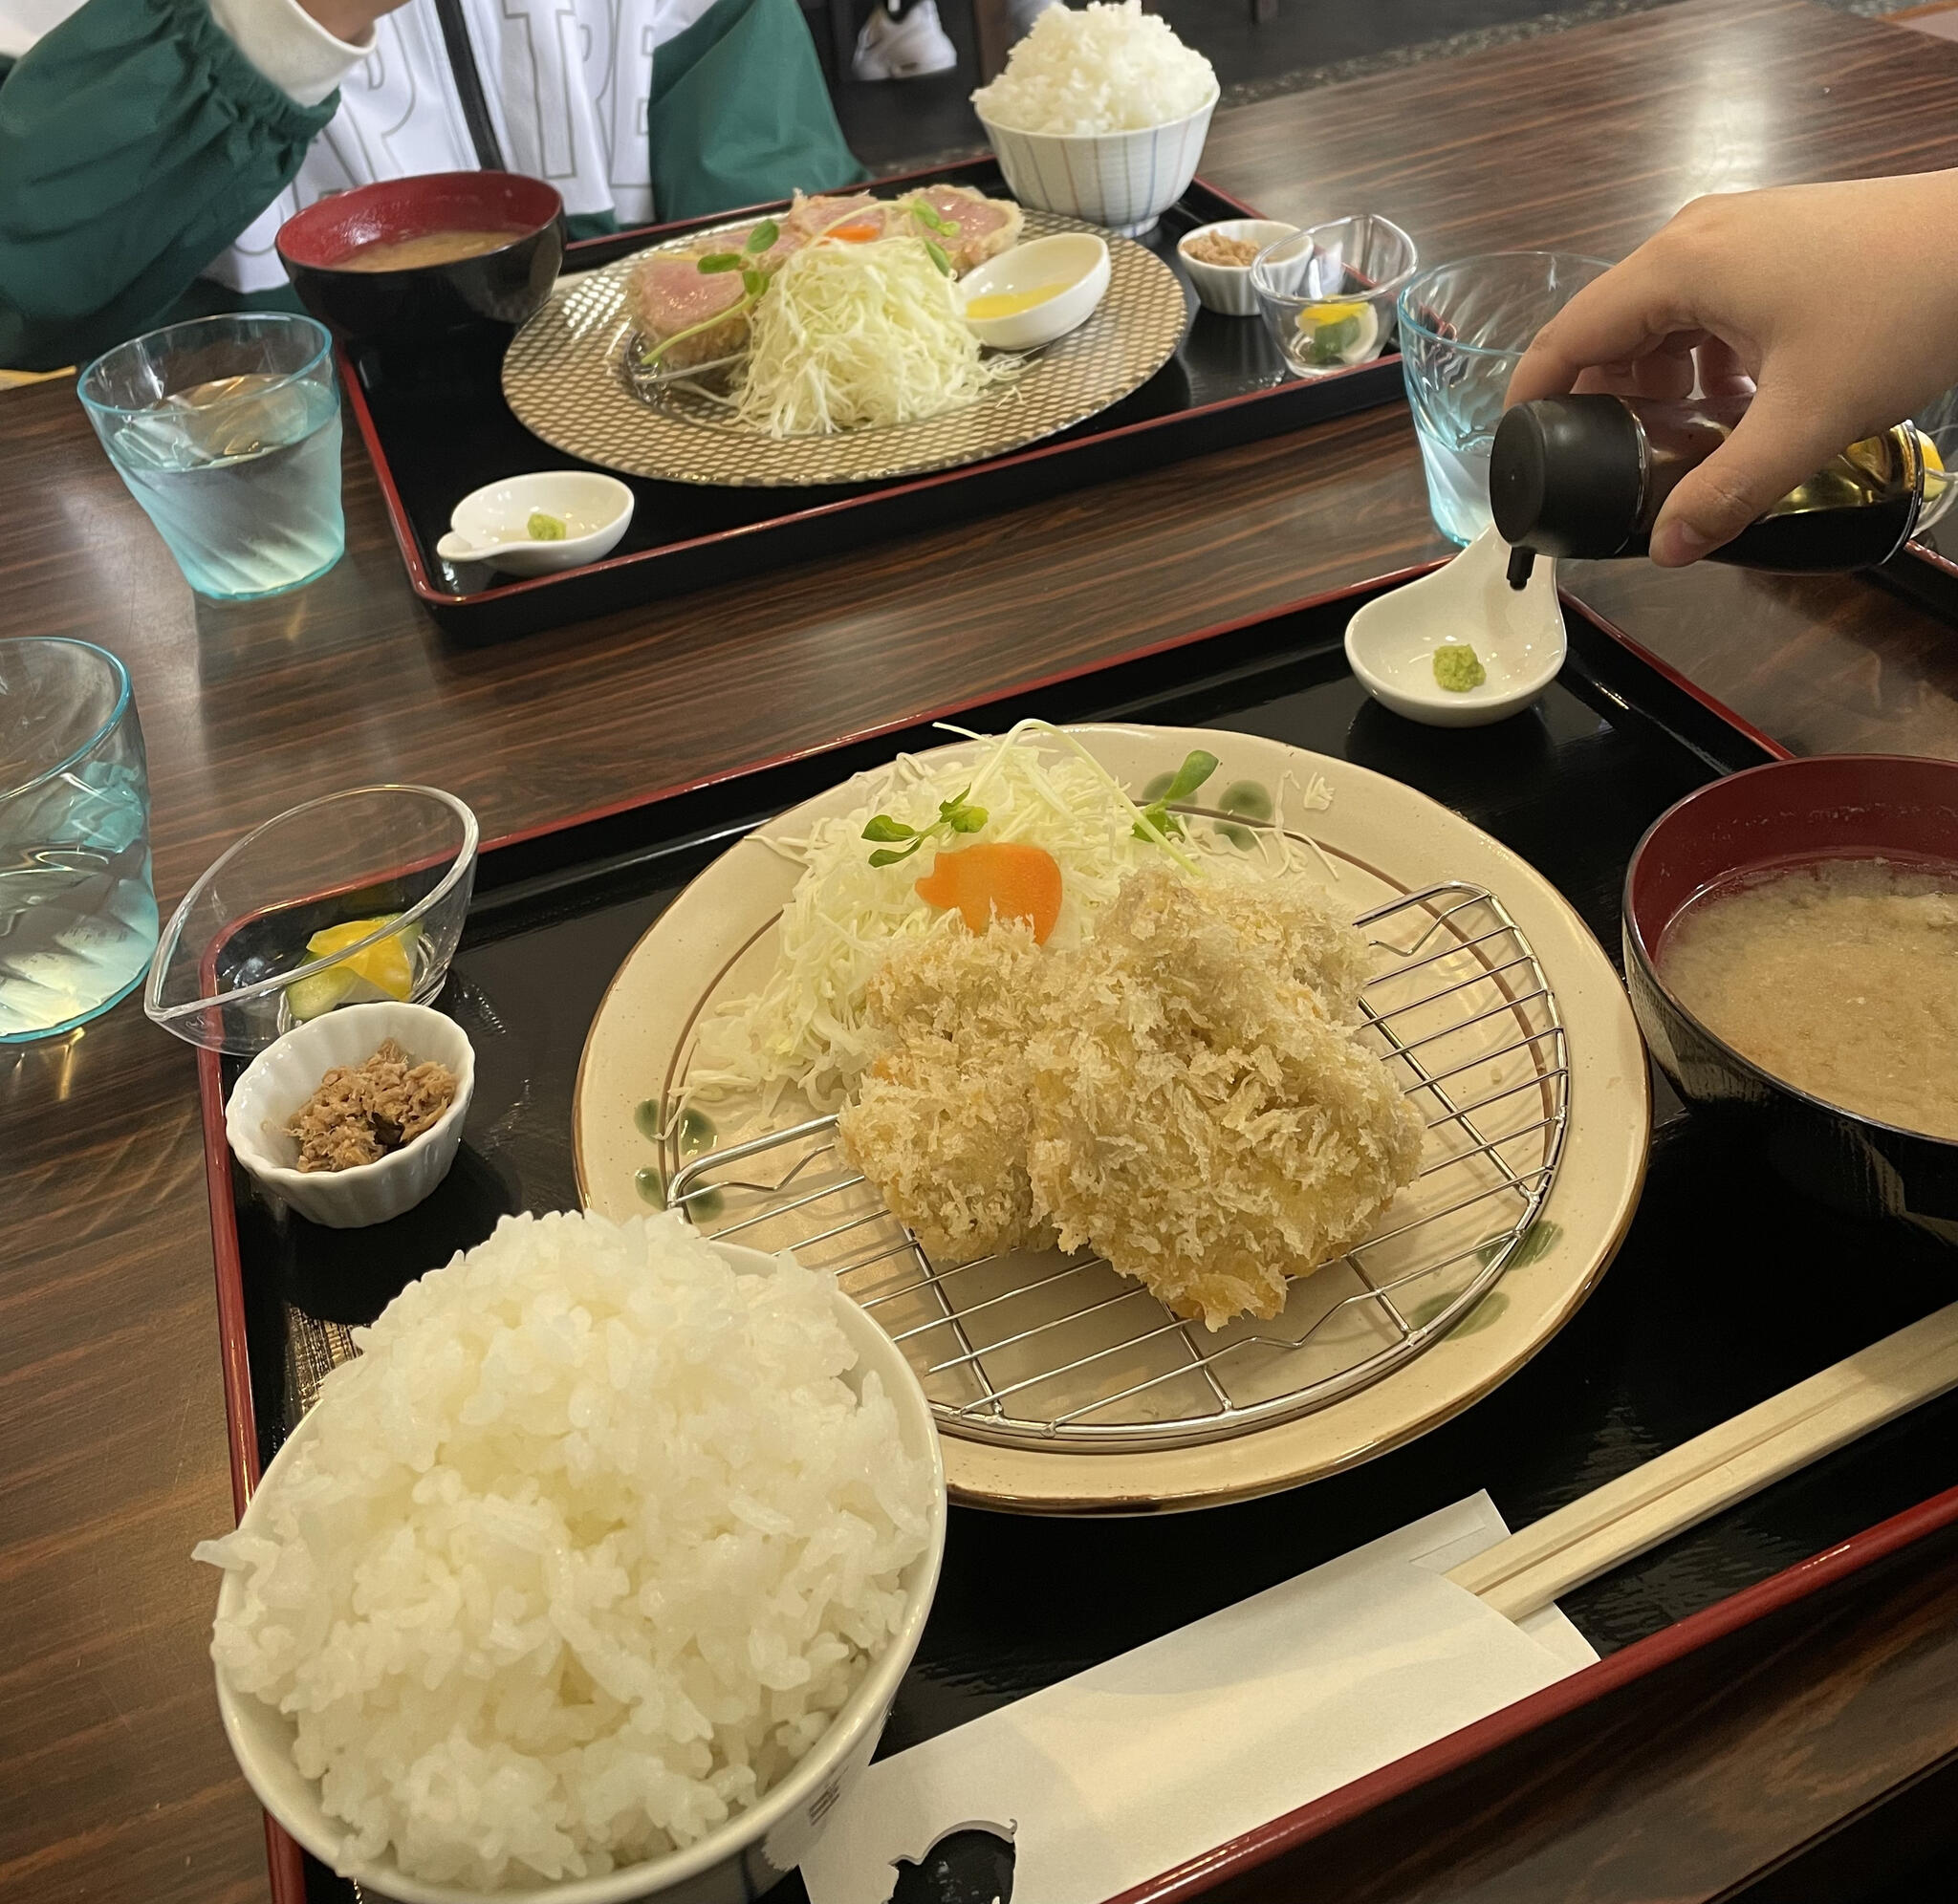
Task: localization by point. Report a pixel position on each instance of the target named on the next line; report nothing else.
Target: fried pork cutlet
(938, 1124)
(1316, 941)
(1199, 1118)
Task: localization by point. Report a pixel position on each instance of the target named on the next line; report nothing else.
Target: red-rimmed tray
(436, 426)
(1613, 743)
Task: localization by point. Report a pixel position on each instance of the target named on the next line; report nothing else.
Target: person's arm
(136, 141)
(1839, 302)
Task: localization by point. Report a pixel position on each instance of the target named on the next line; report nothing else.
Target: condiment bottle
(1587, 475)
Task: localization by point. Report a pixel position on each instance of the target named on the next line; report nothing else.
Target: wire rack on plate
(1031, 1347)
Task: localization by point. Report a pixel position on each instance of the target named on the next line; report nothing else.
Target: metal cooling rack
(1037, 1348)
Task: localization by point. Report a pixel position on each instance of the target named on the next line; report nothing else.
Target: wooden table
(117, 1783)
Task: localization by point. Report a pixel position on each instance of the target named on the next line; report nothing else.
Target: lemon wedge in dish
(1339, 332)
(383, 970)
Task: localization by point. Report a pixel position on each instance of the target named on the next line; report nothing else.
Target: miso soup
(429, 247)
(1840, 977)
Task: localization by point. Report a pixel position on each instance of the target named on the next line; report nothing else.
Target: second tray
(436, 426)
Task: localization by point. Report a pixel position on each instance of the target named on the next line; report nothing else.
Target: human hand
(1839, 302)
(350, 20)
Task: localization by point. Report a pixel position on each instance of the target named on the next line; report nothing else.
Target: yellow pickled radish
(384, 969)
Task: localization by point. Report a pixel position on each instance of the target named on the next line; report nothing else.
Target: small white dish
(1226, 289)
(1077, 260)
(491, 524)
(288, 1072)
(1518, 635)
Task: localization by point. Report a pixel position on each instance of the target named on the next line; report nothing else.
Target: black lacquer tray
(1726, 1290)
(436, 426)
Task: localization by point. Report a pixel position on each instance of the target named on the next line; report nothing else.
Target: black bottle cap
(1564, 475)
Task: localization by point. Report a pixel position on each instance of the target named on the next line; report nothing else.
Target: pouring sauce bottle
(1587, 475)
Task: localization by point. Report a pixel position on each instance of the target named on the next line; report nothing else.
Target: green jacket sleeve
(136, 143)
(739, 113)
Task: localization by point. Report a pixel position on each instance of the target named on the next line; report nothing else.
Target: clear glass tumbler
(227, 432)
(1464, 329)
(78, 915)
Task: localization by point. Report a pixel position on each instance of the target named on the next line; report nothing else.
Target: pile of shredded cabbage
(805, 1028)
(852, 336)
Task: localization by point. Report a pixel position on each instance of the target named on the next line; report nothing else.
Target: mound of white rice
(1100, 68)
(589, 1544)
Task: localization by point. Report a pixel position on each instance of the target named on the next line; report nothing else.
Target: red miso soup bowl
(1791, 813)
(501, 286)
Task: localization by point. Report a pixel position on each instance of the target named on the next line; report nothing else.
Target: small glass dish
(403, 857)
(1327, 293)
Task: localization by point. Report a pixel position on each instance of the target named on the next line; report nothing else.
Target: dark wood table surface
(116, 1782)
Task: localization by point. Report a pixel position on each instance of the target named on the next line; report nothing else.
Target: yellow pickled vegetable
(383, 970)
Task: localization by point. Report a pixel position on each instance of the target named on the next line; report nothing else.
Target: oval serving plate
(1381, 840)
(563, 377)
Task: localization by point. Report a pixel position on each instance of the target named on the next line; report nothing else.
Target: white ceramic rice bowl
(1123, 180)
(732, 1865)
(287, 1072)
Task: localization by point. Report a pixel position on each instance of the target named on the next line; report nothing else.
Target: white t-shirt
(566, 83)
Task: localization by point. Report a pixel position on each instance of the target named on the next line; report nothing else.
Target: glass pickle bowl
(272, 933)
(1327, 293)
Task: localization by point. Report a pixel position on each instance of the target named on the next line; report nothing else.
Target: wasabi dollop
(543, 527)
(1457, 667)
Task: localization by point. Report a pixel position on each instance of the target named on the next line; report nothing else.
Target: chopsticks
(1713, 1470)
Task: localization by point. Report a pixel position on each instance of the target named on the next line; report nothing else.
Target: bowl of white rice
(591, 1578)
(1101, 113)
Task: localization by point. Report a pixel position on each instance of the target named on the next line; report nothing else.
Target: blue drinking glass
(77, 914)
(1464, 329)
(227, 432)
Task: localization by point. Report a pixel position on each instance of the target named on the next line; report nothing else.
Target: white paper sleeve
(289, 45)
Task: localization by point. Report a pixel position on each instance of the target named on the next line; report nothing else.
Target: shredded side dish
(361, 1111)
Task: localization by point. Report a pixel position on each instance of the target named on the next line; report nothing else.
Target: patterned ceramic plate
(564, 378)
(973, 1335)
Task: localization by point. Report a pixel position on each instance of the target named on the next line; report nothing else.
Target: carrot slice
(861, 232)
(1000, 880)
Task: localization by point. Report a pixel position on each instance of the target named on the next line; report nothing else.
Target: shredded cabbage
(855, 335)
(804, 1030)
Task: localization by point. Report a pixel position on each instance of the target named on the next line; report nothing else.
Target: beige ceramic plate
(717, 942)
(562, 377)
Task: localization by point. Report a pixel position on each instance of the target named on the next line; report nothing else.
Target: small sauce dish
(1036, 292)
(493, 524)
(279, 1080)
(1226, 289)
(1517, 634)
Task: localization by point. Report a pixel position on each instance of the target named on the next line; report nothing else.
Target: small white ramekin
(1124, 181)
(288, 1072)
(1228, 287)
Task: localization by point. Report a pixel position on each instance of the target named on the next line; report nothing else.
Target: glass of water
(78, 915)
(227, 432)
(1464, 329)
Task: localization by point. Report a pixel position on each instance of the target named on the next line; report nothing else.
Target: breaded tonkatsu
(1181, 1092)
(939, 1123)
(1199, 1119)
